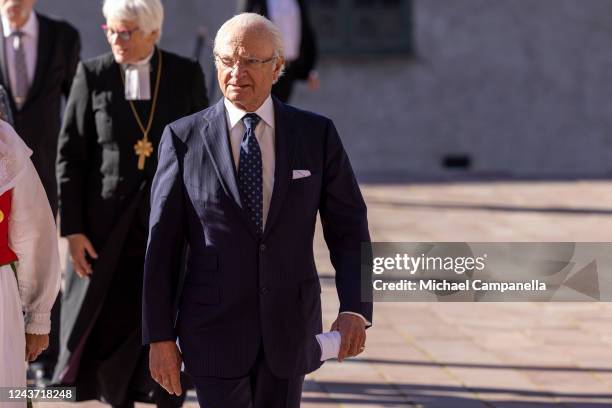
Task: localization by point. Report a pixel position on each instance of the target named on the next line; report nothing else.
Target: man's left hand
(353, 335)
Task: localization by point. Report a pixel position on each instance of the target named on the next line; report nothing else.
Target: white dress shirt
(138, 79)
(264, 133)
(30, 45)
(287, 17)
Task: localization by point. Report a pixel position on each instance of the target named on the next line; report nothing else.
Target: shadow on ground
(466, 177)
(489, 207)
(425, 395)
(482, 366)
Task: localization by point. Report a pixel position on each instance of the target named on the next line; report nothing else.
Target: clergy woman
(118, 106)
(29, 261)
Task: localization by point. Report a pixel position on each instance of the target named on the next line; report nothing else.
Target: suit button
(262, 247)
(264, 290)
(1, 216)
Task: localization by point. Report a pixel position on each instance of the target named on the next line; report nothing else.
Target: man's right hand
(165, 365)
(79, 244)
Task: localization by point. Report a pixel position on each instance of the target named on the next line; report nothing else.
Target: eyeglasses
(248, 63)
(124, 35)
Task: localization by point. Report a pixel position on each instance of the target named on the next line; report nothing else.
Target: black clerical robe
(104, 195)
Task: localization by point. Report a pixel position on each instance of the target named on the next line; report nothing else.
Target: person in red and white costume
(29, 259)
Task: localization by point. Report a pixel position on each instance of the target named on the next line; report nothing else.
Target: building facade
(440, 89)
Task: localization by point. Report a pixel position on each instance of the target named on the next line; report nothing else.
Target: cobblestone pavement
(474, 355)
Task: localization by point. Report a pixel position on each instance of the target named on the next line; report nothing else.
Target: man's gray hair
(252, 21)
(148, 14)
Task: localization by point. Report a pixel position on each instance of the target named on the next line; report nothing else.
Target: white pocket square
(298, 174)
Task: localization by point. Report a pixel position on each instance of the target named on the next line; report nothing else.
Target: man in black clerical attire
(118, 107)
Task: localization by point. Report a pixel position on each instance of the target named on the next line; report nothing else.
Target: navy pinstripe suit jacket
(242, 291)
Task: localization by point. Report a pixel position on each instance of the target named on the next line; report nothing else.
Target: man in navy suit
(241, 184)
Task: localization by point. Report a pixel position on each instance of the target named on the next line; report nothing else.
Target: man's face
(16, 11)
(127, 51)
(246, 67)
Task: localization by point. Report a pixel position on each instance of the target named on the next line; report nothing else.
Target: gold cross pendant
(143, 149)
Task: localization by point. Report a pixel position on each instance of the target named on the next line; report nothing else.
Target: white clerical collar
(30, 28)
(138, 79)
(143, 61)
(265, 112)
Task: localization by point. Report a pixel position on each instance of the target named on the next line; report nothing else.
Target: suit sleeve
(199, 93)
(308, 47)
(73, 56)
(345, 225)
(166, 236)
(73, 155)
(244, 6)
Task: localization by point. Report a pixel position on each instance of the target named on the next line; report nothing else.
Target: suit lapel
(215, 134)
(256, 6)
(43, 52)
(217, 143)
(264, 8)
(4, 78)
(284, 151)
(3, 69)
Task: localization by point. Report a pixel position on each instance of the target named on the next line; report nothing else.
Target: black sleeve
(73, 154)
(244, 6)
(308, 47)
(199, 94)
(72, 58)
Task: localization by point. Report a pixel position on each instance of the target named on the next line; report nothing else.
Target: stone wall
(524, 88)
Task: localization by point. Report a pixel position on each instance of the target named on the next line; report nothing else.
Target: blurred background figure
(119, 104)
(38, 59)
(291, 17)
(29, 261)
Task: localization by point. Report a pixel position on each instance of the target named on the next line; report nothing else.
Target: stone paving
(474, 355)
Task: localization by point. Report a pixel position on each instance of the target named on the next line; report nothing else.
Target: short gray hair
(256, 22)
(149, 14)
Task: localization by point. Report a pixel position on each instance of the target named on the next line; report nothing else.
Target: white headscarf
(14, 155)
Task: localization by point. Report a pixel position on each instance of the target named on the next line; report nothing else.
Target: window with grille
(362, 26)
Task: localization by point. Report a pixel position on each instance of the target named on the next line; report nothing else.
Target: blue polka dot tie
(250, 179)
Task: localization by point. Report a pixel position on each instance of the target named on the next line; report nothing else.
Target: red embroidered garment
(7, 256)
